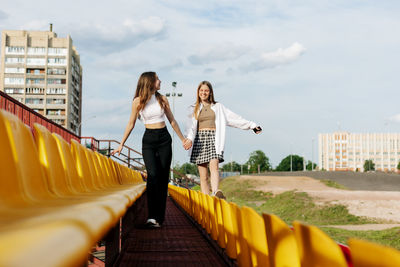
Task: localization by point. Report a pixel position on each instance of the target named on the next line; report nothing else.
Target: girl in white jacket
(206, 132)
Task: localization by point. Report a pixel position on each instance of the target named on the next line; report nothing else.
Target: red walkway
(177, 243)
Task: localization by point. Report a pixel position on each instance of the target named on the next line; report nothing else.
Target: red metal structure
(30, 117)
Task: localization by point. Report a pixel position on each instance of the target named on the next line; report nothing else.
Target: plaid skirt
(204, 148)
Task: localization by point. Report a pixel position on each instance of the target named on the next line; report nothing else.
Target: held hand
(257, 130)
(118, 150)
(187, 144)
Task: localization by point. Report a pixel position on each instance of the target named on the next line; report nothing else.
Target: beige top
(206, 118)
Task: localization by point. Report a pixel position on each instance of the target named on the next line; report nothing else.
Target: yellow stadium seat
(51, 161)
(282, 247)
(213, 226)
(316, 249)
(254, 233)
(46, 245)
(230, 234)
(220, 223)
(28, 199)
(367, 254)
(242, 250)
(130, 191)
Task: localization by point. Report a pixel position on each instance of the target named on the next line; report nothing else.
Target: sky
(297, 68)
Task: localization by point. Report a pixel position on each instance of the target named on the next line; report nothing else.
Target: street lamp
(173, 95)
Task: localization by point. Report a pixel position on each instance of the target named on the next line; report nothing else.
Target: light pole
(173, 95)
(312, 154)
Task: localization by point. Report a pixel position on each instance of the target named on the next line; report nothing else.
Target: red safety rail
(30, 117)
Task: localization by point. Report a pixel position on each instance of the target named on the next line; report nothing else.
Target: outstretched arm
(129, 126)
(234, 120)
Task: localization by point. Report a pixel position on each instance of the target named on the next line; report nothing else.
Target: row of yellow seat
(56, 199)
(266, 240)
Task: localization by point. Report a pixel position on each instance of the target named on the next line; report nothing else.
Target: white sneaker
(152, 223)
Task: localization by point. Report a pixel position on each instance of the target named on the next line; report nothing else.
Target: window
(57, 101)
(16, 50)
(56, 81)
(34, 101)
(55, 112)
(56, 71)
(35, 71)
(56, 61)
(36, 50)
(14, 70)
(56, 91)
(34, 81)
(14, 60)
(14, 90)
(57, 51)
(35, 61)
(9, 80)
(35, 91)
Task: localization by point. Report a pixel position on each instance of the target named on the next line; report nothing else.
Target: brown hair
(198, 100)
(145, 88)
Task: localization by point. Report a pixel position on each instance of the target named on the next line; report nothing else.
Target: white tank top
(152, 112)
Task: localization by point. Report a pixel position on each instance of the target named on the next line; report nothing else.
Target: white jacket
(223, 117)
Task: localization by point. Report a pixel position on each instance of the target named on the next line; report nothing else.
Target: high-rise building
(43, 71)
(343, 151)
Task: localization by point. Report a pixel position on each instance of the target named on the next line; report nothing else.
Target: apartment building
(43, 71)
(343, 151)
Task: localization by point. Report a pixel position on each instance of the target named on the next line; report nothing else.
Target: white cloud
(111, 38)
(3, 15)
(395, 118)
(276, 58)
(36, 25)
(222, 52)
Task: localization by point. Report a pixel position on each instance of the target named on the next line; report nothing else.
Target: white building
(343, 151)
(43, 71)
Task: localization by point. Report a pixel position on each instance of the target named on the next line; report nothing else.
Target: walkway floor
(177, 243)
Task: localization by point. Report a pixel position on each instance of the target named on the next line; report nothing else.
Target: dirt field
(374, 204)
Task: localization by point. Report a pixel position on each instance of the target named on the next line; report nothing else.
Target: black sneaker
(152, 223)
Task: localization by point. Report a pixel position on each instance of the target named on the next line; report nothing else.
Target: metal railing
(30, 117)
(130, 157)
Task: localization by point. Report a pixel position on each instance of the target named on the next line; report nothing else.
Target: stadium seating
(54, 204)
(367, 254)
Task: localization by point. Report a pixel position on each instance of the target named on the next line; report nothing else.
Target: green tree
(309, 165)
(231, 166)
(369, 165)
(186, 168)
(297, 164)
(258, 158)
(398, 166)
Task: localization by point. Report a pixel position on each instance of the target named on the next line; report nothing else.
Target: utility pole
(173, 95)
(312, 155)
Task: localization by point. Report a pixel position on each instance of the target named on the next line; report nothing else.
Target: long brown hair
(145, 88)
(198, 100)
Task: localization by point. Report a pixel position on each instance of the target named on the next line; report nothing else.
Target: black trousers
(157, 155)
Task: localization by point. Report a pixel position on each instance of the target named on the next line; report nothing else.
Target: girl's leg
(164, 164)
(203, 172)
(214, 175)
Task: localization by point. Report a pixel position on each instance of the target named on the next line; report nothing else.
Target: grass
(334, 184)
(292, 205)
(389, 237)
(289, 206)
